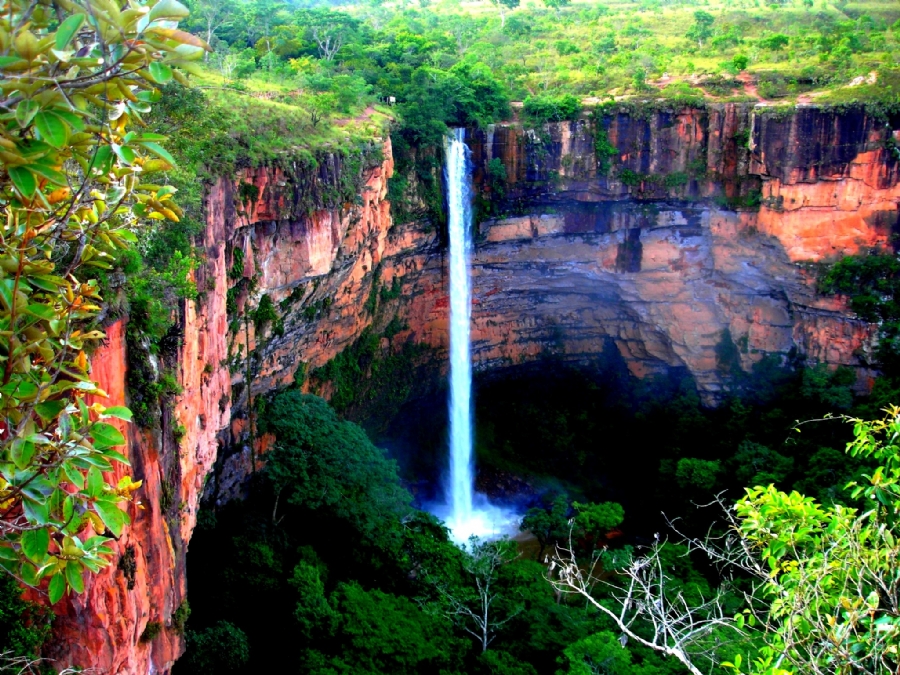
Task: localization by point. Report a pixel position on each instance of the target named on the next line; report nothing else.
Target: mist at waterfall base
(465, 512)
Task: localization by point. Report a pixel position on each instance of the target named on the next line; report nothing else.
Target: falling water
(466, 512)
(459, 202)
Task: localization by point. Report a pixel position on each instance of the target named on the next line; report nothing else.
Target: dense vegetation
(327, 556)
(326, 566)
(583, 48)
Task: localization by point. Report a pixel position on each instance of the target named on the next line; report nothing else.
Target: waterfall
(459, 200)
(466, 512)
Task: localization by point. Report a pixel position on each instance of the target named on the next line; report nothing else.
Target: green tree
(702, 27)
(546, 108)
(222, 648)
(826, 597)
(503, 5)
(755, 464)
(597, 519)
(698, 474)
(321, 462)
(600, 653)
(830, 590)
(548, 525)
(208, 16)
(313, 612)
(384, 633)
(478, 606)
(75, 77)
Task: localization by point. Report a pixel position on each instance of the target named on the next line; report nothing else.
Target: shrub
(545, 108)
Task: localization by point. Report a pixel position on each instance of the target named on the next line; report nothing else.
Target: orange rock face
(701, 247)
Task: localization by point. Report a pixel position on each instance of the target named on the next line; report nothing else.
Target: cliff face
(685, 249)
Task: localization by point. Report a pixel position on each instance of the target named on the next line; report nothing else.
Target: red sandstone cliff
(659, 271)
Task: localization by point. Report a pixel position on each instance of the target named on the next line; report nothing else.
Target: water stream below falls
(465, 512)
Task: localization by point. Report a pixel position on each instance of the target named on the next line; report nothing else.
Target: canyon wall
(693, 247)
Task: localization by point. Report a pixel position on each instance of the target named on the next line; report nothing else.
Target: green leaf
(65, 425)
(52, 129)
(70, 118)
(25, 112)
(117, 456)
(94, 482)
(21, 452)
(102, 159)
(19, 389)
(52, 175)
(35, 544)
(67, 30)
(74, 476)
(48, 410)
(41, 311)
(158, 150)
(119, 412)
(113, 517)
(125, 154)
(56, 588)
(160, 72)
(37, 512)
(75, 575)
(168, 9)
(95, 460)
(68, 514)
(28, 574)
(23, 179)
(9, 60)
(106, 435)
(47, 282)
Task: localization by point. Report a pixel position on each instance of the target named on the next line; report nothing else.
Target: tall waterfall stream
(466, 512)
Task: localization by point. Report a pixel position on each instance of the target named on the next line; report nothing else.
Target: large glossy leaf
(21, 452)
(75, 575)
(41, 311)
(56, 588)
(23, 179)
(25, 112)
(52, 175)
(52, 128)
(36, 511)
(19, 389)
(48, 410)
(106, 435)
(120, 412)
(113, 517)
(35, 544)
(160, 72)
(168, 9)
(94, 482)
(158, 150)
(67, 30)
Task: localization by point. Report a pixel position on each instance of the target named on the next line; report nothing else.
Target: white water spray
(466, 513)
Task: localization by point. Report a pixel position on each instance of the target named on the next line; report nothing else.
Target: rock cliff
(681, 239)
